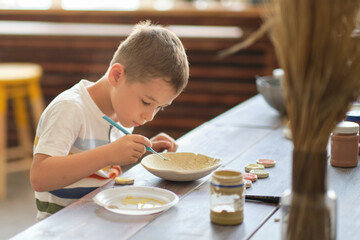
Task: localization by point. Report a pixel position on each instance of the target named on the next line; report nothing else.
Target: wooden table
(250, 131)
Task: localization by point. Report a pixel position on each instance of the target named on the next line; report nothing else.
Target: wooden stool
(18, 82)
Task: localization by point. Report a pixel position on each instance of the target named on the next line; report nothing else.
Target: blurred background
(75, 39)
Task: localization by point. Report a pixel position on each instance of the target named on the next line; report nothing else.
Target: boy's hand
(127, 149)
(162, 142)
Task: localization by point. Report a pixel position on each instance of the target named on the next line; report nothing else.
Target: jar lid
(353, 116)
(346, 127)
(355, 106)
(227, 176)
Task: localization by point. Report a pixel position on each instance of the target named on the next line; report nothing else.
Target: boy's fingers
(162, 136)
(140, 150)
(142, 140)
(173, 147)
(165, 145)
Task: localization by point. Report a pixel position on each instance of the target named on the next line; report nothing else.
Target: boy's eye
(148, 104)
(145, 103)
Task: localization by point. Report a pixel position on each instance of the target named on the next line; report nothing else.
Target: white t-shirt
(70, 124)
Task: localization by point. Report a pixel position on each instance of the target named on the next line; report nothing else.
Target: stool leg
(3, 143)
(37, 103)
(22, 123)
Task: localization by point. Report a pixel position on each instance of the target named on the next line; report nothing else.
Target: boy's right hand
(127, 149)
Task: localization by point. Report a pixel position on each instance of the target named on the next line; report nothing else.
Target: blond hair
(152, 51)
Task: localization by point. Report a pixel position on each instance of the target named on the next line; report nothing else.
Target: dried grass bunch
(317, 48)
(321, 58)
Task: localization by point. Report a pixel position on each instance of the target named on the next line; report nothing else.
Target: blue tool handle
(123, 130)
(150, 150)
(116, 125)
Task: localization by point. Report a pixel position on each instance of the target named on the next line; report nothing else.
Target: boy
(74, 146)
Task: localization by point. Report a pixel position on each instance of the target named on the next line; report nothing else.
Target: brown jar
(353, 116)
(344, 145)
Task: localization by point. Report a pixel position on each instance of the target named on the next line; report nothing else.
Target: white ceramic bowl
(270, 88)
(182, 166)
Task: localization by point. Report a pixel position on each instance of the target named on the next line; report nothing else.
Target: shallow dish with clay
(136, 200)
(182, 166)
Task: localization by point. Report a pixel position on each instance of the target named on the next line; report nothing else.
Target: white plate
(136, 200)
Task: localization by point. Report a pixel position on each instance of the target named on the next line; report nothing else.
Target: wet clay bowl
(181, 167)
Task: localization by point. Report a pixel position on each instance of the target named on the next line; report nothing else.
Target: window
(71, 4)
(128, 5)
(25, 4)
(123, 5)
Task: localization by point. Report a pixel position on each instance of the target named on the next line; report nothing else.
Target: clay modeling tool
(127, 133)
(267, 199)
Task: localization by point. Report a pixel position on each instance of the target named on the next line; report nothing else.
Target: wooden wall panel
(215, 84)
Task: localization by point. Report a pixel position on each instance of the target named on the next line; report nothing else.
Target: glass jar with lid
(227, 197)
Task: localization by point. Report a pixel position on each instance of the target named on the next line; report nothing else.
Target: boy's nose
(149, 115)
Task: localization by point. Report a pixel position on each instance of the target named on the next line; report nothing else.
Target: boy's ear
(116, 74)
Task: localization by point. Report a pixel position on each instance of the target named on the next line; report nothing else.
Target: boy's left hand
(162, 142)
